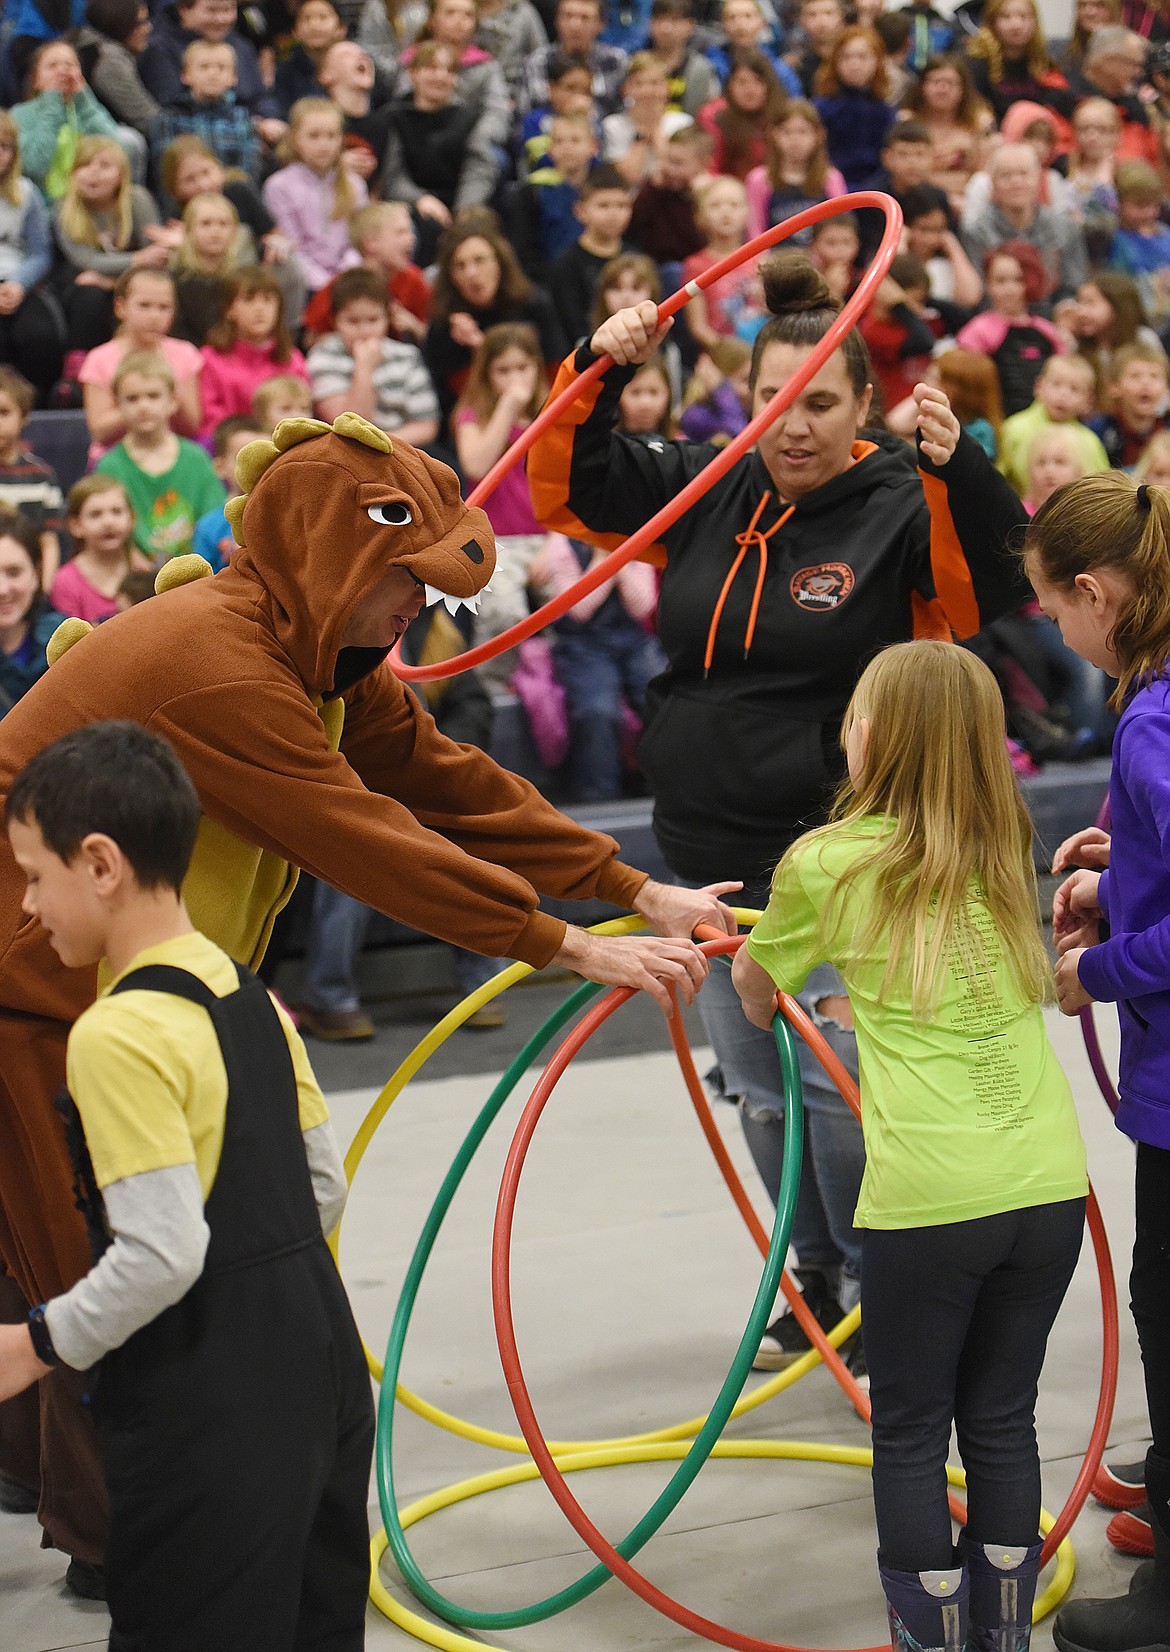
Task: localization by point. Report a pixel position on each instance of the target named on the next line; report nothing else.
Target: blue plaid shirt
(225, 127)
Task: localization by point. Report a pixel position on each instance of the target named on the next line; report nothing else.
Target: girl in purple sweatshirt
(1098, 557)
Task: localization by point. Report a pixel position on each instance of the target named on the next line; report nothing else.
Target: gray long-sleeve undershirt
(160, 1242)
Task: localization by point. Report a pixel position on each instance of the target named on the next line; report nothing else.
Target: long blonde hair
(186, 260)
(10, 181)
(1101, 522)
(74, 215)
(344, 200)
(936, 767)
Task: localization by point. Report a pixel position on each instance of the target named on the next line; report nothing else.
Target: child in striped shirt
(359, 369)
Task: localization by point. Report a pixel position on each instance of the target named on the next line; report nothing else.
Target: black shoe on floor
(85, 1581)
(783, 1343)
(15, 1498)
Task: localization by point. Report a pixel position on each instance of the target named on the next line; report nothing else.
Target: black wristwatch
(42, 1342)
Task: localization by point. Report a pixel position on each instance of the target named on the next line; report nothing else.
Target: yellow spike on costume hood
(326, 519)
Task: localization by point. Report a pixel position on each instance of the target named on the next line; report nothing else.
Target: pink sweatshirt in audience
(231, 379)
(302, 204)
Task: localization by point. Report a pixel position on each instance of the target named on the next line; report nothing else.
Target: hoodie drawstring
(751, 535)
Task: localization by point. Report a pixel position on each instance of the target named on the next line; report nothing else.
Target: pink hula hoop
(719, 466)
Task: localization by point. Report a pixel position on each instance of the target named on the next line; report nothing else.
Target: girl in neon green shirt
(921, 891)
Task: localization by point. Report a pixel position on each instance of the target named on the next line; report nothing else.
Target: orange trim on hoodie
(948, 565)
(548, 474)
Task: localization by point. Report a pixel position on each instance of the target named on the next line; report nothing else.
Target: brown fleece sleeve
(394, 745)
(292, 794)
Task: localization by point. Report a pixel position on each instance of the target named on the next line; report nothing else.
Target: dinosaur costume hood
(306, 755)
(327, 511)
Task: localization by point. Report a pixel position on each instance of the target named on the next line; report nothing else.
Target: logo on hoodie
(819, 589)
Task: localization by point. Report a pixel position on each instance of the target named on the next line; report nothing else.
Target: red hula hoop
(652, 530)
(506, 1332)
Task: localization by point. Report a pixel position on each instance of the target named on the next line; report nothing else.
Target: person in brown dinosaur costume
(307, 752)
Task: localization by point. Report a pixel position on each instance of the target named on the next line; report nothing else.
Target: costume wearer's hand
(632, 335)
(937, 425)
(1070, 994)
(1089, 847)
(671, 910)
(1076, 911)
(19, 1365)
(649, 963)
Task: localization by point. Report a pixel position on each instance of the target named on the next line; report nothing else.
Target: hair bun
(792, 285)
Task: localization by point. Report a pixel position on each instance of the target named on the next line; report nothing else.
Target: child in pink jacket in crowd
(250, 345)
(604, 655)
(313, 195)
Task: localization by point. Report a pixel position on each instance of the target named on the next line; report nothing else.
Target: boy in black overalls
(231, 1391)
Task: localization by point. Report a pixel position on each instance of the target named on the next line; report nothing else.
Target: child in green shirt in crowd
(921, 891)
(231, 1394)
(169, 481)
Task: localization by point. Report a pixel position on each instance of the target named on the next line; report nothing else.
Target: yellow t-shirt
(146, 1072)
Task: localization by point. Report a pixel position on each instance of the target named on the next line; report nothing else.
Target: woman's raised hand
(937, 425)
(631, 336)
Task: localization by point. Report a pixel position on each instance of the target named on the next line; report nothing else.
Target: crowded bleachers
(213, 217)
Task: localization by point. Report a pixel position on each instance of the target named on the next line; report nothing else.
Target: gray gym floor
(633, 1279)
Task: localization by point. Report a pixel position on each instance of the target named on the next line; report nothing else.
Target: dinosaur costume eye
(393, 514)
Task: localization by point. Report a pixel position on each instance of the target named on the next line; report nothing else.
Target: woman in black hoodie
(815, 550)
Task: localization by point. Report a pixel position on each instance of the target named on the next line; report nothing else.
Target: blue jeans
(823, 1234)
(1086, 689)
(337, 933)
(599, 671)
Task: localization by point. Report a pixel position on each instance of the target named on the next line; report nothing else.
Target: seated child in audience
(27, 622)
(209, 109)
(893, 30)
(138, 586)
(213, 539)
(895, 328)
(629, 279)
(673, 39)
(645, 407)
(505, 390)
(101, 526)
(1153, 467)
(281, 397)
(834, 247)
(144, 306)
(1064, 396)
(316, 27)
(745, 28)
(850, 92)
(168, 480)
(570, 92)
(971, 384)
(1139, 380)
(723, 218)
(28, 484)
(213, 248)
(383, 234)
(930, 237)
(635, 140)
(544, 219)
(604, 656)
(1108, 313)
(313, 195)
(717, 402)
(32, 337)
(105, 226)
(821, 21)
(602, 209)
(1009, 331)
(360, 369)
(663, 221)
(249, 343)
(796, 175)
(907, 154)
(739, 121)
(1054, 455)
(1141, 246)
(190, 168)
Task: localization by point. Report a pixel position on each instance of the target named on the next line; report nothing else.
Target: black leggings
(956, 1320)
(1149, 1285)
(32, 340)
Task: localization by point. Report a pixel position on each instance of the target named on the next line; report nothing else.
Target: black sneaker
(783, 1343)
(86, 1581)
(854, 1355)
